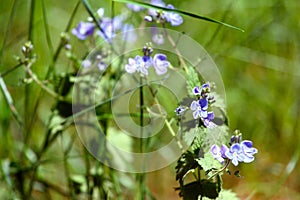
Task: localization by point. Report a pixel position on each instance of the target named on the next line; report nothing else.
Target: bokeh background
(260, 69)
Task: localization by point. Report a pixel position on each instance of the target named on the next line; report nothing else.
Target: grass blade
(147, 5)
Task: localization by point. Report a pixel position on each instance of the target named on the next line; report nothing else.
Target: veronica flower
(160, 64)
(219, 153)
(86, 63)
(135, 8)
(157, 37)
(161, 16)
(153, 12)
(110, 26)
(200, 108)
(83, 30)
(179, 110)
(207, 120)
(197, 90)
(128, 33)
(173, 18)
(138, 64)
(248, 151)
(235, 154)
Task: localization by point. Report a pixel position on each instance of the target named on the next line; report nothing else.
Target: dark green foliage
(184, 164)
(204, 188)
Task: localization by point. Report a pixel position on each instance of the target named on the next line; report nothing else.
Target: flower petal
(194, 105)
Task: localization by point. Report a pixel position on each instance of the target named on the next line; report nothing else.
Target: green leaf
(208, 162)
(192, 79)
(204, 188)
(147, 5)
(185, 163)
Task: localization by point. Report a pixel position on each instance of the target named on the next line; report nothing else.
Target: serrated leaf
(217, 135)
(204, 188)
(185, 163)
(147, 5)
(208, 162)
(192, 79)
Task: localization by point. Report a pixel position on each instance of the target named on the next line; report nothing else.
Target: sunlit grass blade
(147, 5)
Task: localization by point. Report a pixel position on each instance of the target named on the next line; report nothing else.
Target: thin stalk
(41, 84)
(142, 176)
(220, 170)
(27, 91)
(11, 69)
(175, 48)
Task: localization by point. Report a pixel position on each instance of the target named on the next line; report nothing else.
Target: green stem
(142, 176)
(41, 84)
(220, 170)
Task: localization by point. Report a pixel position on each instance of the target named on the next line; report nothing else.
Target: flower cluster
(159, 16)
(238, 151)
(141, 64)
(201, 105)
(108, 27)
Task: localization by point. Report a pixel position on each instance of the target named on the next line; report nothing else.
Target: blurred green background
(260, 69)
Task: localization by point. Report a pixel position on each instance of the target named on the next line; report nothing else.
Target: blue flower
(248, 151)
(138, 64)
(135, 8)
(83, 30)
(160, 17)
(200, 108)
(219, 153)
(128, 33)
(160, 64)
(197, 90)
(110, 26)
(207, 120)
(157, 37)
(86, 63)
(235, 154)
(179, 110)
(153, 12)
(173, 18)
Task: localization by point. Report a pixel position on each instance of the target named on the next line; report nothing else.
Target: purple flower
(173, 18)
(138, 64)
(110, 26)
(128, 33)
(179, 110)
(86, 63)
(248, 151)
(235, 154)
(153, 12)
(197, 90)
(135, 8)
(83, 30)
(148, 18)
(157, 37)
(160, 64)
(207, 120)
(219, 153)
(200, 108)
